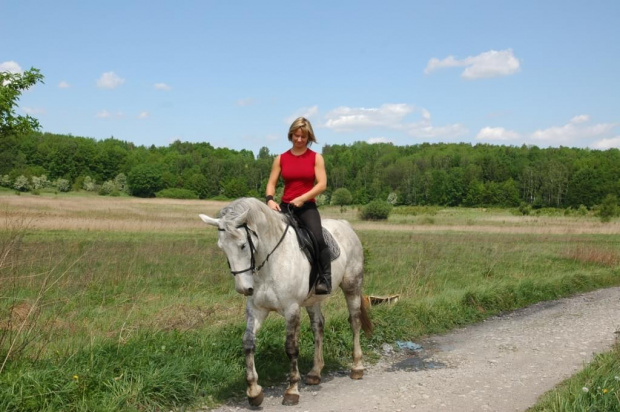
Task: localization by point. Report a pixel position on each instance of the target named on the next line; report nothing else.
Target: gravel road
(502, 364)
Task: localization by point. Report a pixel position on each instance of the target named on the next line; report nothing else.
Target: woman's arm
(319, 187)
(272, 182)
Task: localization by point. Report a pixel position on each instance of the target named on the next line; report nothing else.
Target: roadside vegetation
(595, 389)
(121, 303)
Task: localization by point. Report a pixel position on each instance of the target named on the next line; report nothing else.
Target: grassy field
(127, 304)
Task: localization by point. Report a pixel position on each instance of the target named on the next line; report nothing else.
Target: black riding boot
(324, 282)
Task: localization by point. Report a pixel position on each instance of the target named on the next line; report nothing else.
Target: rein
(249, 232)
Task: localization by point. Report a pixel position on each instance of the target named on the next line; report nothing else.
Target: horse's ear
(242, 218)
(210, 221)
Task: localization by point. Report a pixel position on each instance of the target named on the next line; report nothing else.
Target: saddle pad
(334, 249)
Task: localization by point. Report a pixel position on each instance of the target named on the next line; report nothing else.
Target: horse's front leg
(317, 322)
(291, 395)
(255, 318)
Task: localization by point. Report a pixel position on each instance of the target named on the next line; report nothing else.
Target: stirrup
(321, 288)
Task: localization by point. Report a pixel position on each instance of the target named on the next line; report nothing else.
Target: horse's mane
(258, 212)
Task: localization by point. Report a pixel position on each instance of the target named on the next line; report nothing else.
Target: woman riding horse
(303, 172)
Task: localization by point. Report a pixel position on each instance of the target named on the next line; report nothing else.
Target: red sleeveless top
(297, 173)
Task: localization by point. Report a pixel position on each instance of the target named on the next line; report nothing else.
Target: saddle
(309, 245)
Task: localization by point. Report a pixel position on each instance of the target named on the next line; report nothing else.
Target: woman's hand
(297, 202)
(273, 205)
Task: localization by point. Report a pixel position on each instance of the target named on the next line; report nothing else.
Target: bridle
(249, 232)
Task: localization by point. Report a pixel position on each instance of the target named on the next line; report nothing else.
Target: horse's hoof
(257, 400)
(290, 399)
(313, 380)
(357, 374)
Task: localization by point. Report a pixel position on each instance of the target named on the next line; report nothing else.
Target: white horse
(273, 273)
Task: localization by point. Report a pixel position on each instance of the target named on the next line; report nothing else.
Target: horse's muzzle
(247, 292)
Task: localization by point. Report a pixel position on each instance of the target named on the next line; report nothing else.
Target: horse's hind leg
(291, 395)
(317, 322)
(255, 318)
(354, 303)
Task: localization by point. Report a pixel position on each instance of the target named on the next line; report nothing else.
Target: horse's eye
(243, 246)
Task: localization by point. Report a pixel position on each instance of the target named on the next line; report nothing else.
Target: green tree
(12, 125)
(609, 208)
(342, 197)
(145, 180)
(199, 184)
(234, 187)
(11, 87)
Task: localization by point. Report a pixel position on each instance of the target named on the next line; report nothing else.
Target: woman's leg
(311, 218)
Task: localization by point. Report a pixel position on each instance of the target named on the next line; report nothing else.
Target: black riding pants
(309, 215)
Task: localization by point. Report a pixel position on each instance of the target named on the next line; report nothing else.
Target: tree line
(444, 174)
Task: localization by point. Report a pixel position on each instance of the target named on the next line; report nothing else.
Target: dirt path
(502, 364)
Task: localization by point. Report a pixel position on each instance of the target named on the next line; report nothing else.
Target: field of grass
(127, 304)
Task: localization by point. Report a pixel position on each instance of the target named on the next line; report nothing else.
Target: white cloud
(11, 67)
(424, 129)
(572, 132)
(162, 86)
(144, 115)
(576, 132)
(374, 140)
(390, 116)
(580, 119)
(488, 64)
(497, 134)
(605, 144)
(63, 85)
(109, 80)
(104, 114)
(347, 119)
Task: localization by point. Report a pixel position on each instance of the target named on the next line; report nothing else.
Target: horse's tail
(364, 318)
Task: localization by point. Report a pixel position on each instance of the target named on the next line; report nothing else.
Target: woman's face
(300, 140)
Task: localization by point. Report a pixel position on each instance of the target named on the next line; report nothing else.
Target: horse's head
(237, 241)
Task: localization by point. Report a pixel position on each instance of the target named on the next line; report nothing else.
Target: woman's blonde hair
(303, 124)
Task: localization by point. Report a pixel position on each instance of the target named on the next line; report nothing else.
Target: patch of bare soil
(502, 364)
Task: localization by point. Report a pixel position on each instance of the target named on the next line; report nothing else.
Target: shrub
(342, 197)
(21, 184)
(5, 181)
(120, 181)
(525, 208)
(582, 211)
(88, 184)
(107, 188)
(39, 182)
(177, 193)
(609, 208)
(392, 198)
(376, 210)
(63, 185)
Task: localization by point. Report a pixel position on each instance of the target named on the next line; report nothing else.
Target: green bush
(609, 208)
(376, 210)
(525, 208)
(145, 180)
(176, 193)
(342, 197)
(582, 211)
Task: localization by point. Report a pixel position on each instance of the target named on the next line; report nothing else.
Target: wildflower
(605, 390)
(586, 390)
(75, 377)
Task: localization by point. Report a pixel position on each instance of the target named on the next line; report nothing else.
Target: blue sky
(236, 73)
